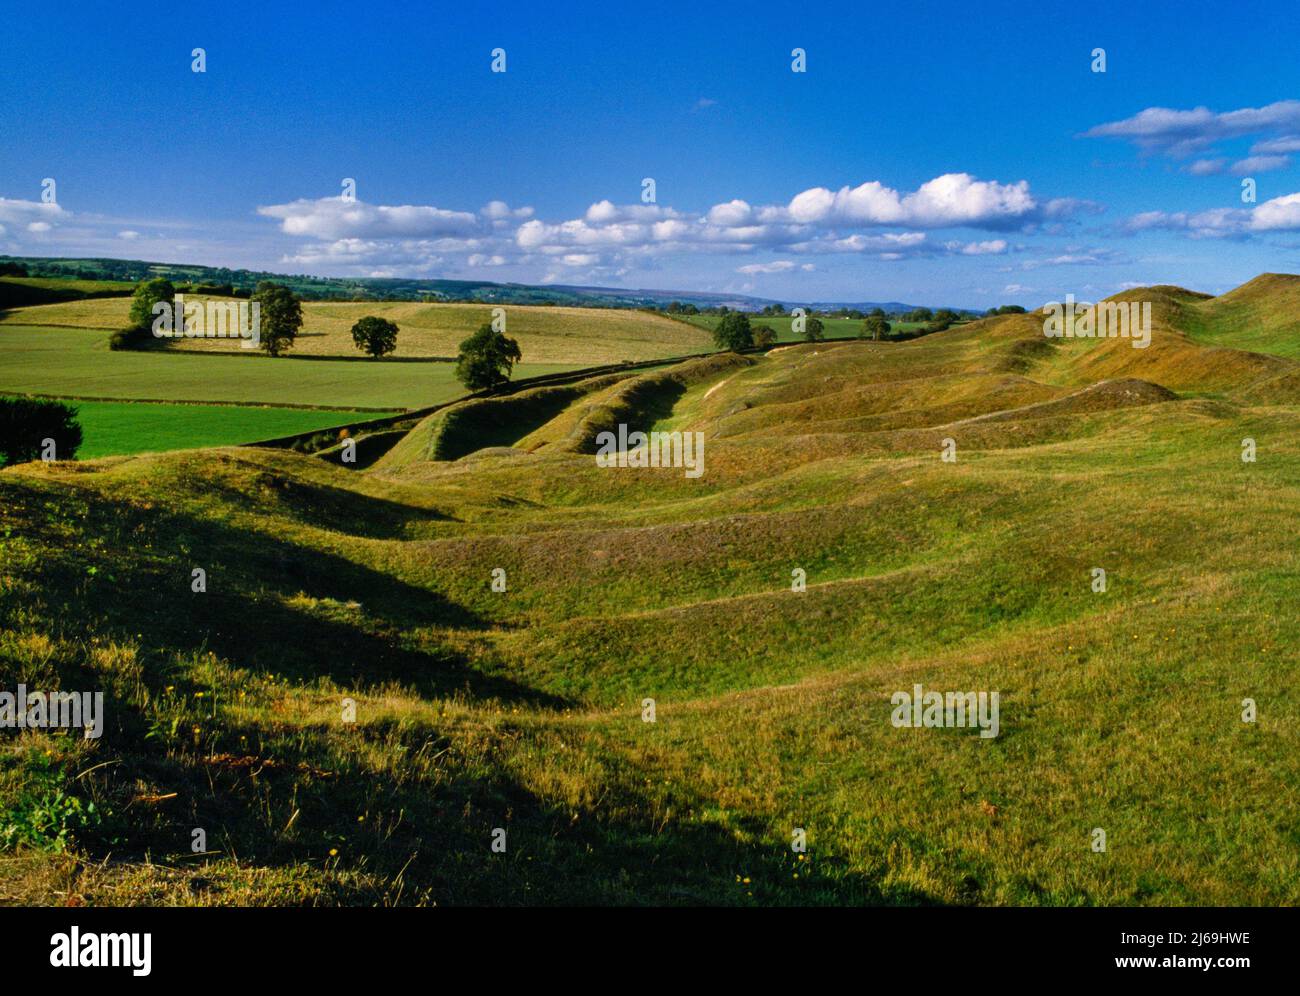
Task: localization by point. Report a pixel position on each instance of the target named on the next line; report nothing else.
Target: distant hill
(405, 289)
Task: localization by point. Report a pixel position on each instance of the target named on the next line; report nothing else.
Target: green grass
(1262, 315)
(781, 325)
(75, 363)
(522, 708)
(110, 428)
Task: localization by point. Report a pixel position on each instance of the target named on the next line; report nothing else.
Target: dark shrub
(25, 424)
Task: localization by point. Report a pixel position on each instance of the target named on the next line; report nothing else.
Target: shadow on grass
(251, 612)
(338, 509)
(416, 838)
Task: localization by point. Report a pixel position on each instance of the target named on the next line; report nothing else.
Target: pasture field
(652, 708)
(111, 428)
(577, 336)
(77, 363)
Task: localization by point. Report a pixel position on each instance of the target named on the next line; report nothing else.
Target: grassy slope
(521, 709)
(579, 336)
(1261, 315)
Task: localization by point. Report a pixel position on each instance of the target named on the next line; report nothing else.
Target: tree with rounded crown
(376, 336)
(486, 359)
(733, 332)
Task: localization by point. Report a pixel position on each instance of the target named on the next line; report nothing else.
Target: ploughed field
(525, 709)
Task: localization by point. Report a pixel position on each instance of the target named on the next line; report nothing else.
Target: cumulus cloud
(1279, 214)
(501, 211)
(610, 237)
(948, 201)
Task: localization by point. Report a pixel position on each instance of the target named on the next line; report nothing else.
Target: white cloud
(1278, 214)
(128, 234)
(992, 247)
(1285, 144)
(736, 212)
(501, 211)
(1178, 133)
(610, 237)
(950, 200)
(776, 266)
(336, 218)
(1259, 164)
(31, 213)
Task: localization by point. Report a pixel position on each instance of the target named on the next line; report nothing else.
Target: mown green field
(110, 428)
(526, 710)
(77, 363)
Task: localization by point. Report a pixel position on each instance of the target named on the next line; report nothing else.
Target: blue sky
(939, 153)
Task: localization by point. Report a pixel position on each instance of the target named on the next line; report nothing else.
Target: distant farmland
(576, 336)
(780, 324)
(79, 364)
(61, 350)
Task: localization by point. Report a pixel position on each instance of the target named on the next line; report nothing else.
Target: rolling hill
(636, 593)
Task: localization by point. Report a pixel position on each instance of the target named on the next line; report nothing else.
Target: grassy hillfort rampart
(499, 609)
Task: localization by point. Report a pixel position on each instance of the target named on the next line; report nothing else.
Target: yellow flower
(334, 852)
